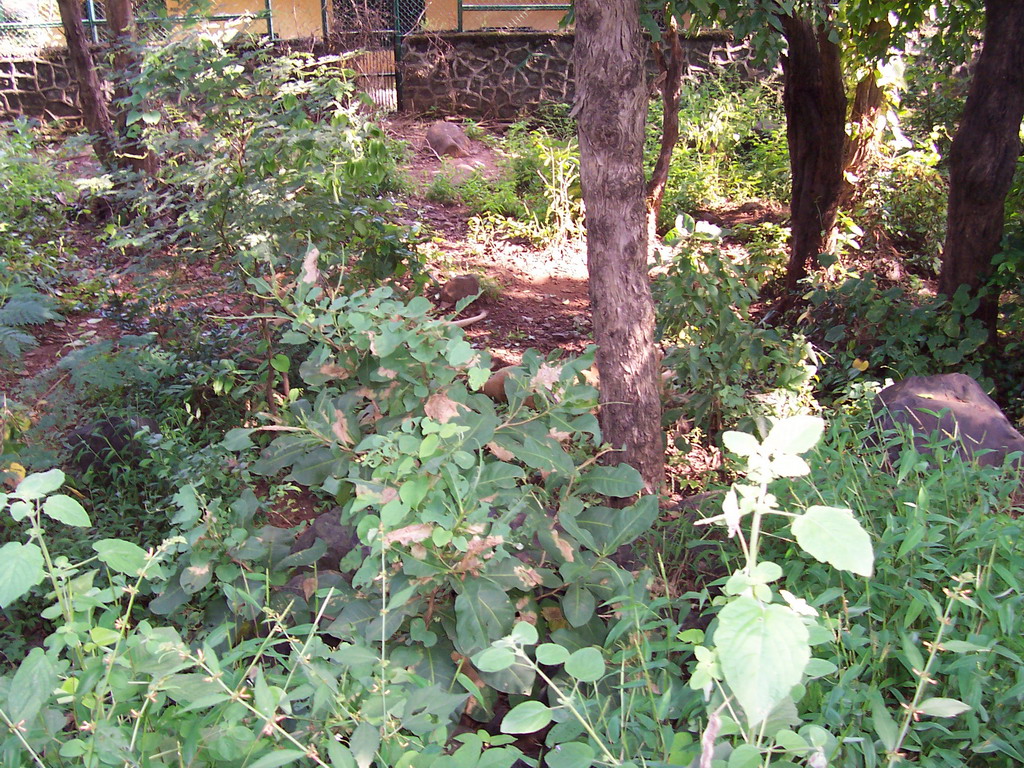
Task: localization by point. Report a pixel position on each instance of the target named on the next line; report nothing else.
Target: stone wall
(38, 84)
(506, 75)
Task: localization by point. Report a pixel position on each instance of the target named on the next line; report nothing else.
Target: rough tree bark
(983, 157)
(668, 53)
(91, 101)
(121, 20)
(864, 139)
(611, 96)
(815, 102)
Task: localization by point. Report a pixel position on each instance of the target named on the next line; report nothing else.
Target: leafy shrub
(261, 154)
(34, 199)
(732, 145)
(732, 369)
(890, 333)
(20, 306)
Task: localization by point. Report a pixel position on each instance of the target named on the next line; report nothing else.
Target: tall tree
(611, 105)
(984, 155)
(91, 100)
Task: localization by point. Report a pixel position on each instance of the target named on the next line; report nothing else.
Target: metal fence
(29, 25)
(373, 31)
(505, 16)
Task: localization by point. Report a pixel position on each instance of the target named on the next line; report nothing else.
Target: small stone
(448, 139)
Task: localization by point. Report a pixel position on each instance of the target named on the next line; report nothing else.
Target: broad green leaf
(884, 725)
(364, 743)
(941, 707)
(21, 568)
(620, 481)
(518, 678)
(104, 636)
(237, 440)
(483, 613)
(962, 646)
(578, 605)
(31, 686)
(528, 717)
(494, 659)
(277, 758)
(552, 654)
(741, 443)
(797, 434)
(745, 756)
(66, 510)
(586, 665)
(575, 754)
(525, 633)
(121, 556)
(39, 484)
(763, 651)
(833, 535)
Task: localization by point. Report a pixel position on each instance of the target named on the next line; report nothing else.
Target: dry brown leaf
(547, 376)
(442, 408)
(340, 428)
(558, 434)
(410, 534)
(500, 452)
(387, 373)
(310, 274)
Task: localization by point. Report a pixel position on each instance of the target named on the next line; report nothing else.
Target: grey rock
(448, 139)
(955, 406)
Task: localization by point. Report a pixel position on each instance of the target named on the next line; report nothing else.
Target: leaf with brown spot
(333, 370)
(559, 435)
(528, 576)
(410, 534)
(563, 546)
(387, 373)
(442, 408)
(340, 428)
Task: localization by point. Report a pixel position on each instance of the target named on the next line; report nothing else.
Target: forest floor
(534, 297)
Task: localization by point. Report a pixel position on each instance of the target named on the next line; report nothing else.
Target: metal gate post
(325, 23)
(399, 32)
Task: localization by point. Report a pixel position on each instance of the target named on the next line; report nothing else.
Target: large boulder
(953, 406)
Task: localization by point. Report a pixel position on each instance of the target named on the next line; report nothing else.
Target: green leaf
(578, 605)
(483, 613)
(280, 363)
(66, 510)
(21, 568)
(833, 535)
(121, 556)
(620, 481)
(575, 754)
(278, 757)
(763, 651)
(940, 707)
(494, 659)
(528, 717)
(741, 443)
(797, 434)
(552, 654)
(884, 725)
(31, 687)
(525, 633)
(152, 117)
(745, 756)
(585, 665)
(364, 743)
(39, 484)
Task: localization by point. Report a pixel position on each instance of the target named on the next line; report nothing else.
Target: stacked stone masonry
(507, 75)
(39, 84)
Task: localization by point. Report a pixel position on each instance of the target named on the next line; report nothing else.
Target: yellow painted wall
(444, 15)
(292, 18)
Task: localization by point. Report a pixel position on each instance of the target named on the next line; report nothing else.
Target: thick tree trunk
(669, 56)
(91, 101)
(121, 20)
(815, 103)
(984, 155)
(611, 97)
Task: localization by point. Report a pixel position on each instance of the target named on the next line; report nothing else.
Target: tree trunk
(815, 103)
(983, 157)
(611, 96)
(864, 138)
(121, 20)
(669, 56)
(91, 101)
